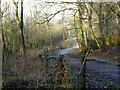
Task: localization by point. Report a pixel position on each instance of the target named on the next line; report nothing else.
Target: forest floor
(100, 72)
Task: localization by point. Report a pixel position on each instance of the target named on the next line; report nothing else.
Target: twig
(47, 84)
(47, 76)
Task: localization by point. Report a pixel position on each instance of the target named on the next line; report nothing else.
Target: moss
(74, 50)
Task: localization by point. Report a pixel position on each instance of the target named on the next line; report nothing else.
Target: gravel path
(108, 71)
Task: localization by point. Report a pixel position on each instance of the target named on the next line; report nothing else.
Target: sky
(29, 6)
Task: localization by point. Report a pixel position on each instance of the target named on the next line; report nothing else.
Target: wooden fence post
(46, 63)
(61, 68)
(40, 56)
(82, 76)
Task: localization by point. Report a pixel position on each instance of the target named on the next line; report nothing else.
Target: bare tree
(2, 12)
(20, 23)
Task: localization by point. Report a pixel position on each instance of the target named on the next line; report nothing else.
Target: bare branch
(113, 10)
(93, 8)
(53, 15)
(15, 3)
(16, 12)
(4, 10)
(63, 2)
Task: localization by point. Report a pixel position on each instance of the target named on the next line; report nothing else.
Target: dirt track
(108, 71)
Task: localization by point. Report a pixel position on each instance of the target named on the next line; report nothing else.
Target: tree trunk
(76, 31)
(20, 23)
(90, 25)
(21, 27)
(82, 76)
(63, 26)
(3, 43)
(118, 4)
(81, 28)
(0, 46)
(101, 28)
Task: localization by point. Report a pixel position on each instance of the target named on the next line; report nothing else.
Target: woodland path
(102, 69)
(65, 51)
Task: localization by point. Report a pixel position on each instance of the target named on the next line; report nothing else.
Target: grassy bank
(110, 56)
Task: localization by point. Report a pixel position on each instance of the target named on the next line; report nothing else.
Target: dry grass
(29, 69)
(110, 54)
